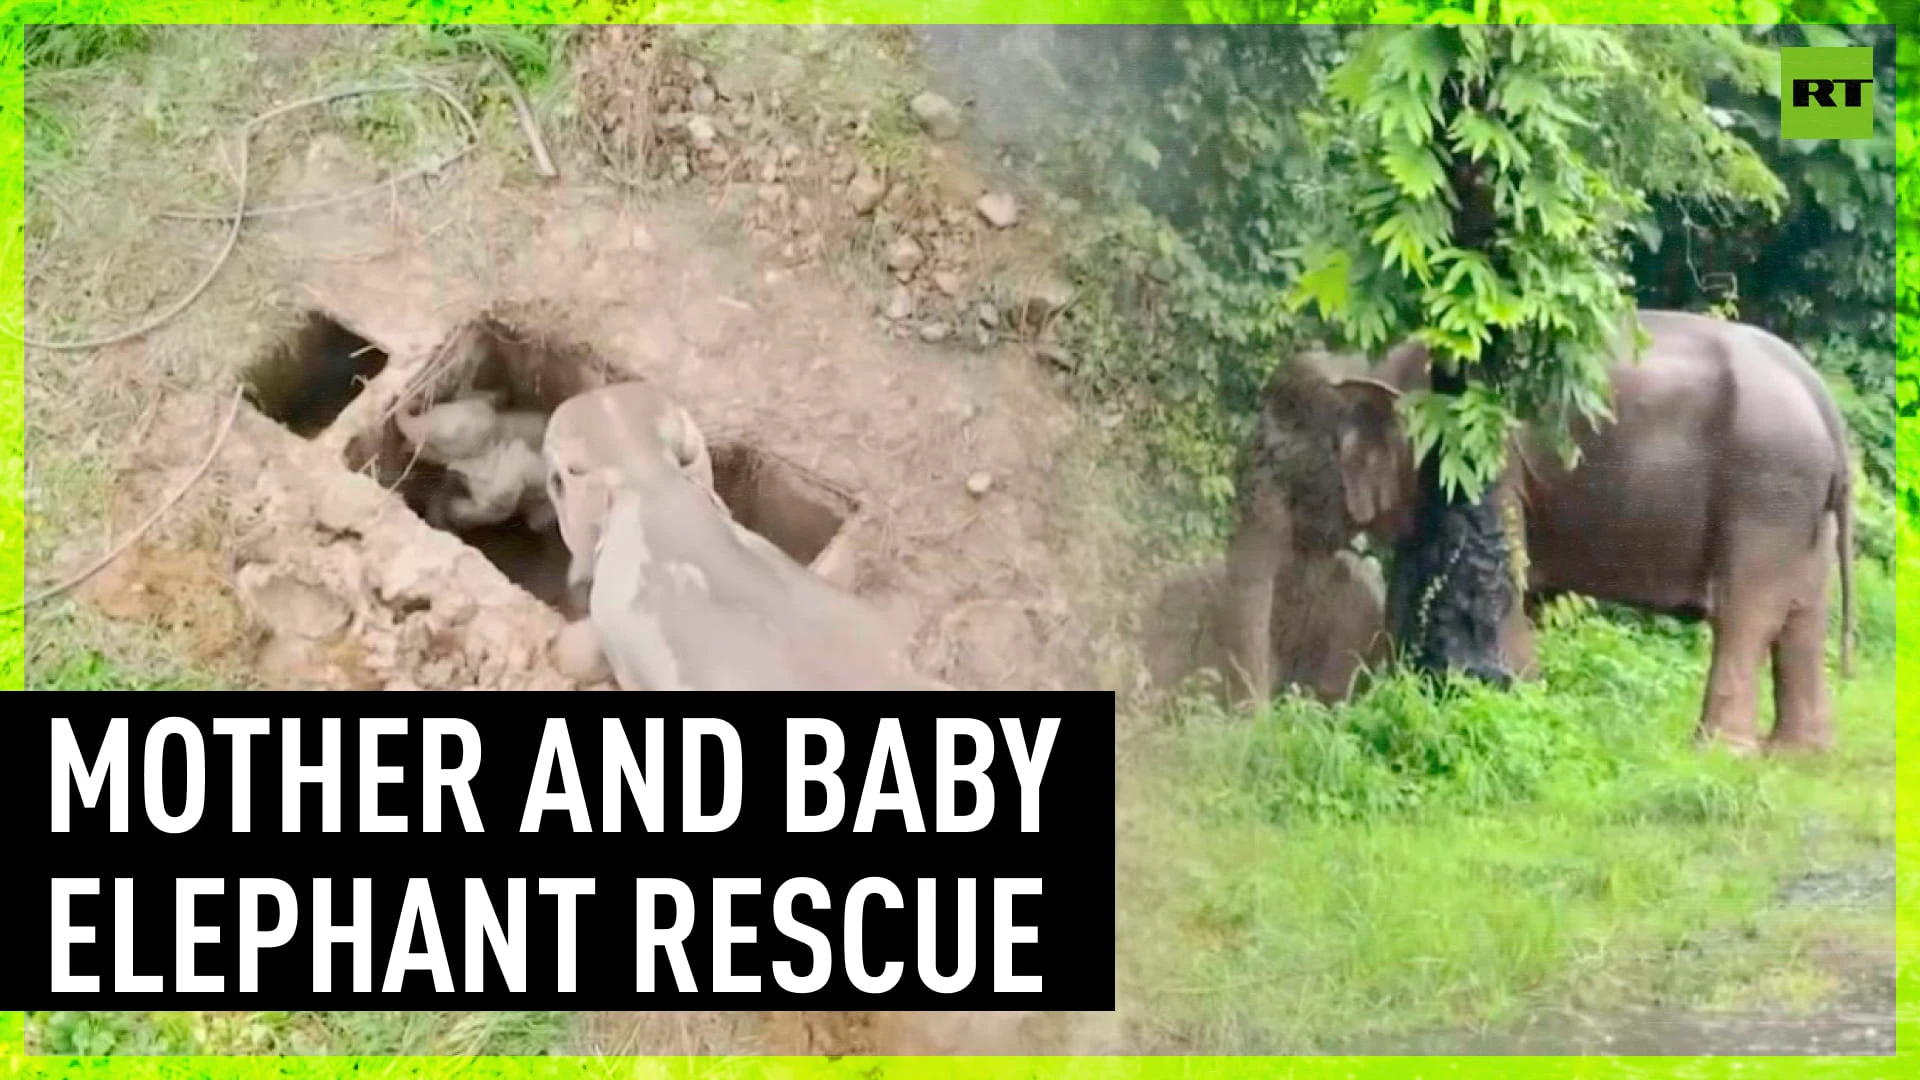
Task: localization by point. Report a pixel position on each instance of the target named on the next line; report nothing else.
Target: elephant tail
(1843, 539)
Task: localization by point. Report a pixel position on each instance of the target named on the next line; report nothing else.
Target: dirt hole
(798, 511)
(789, 505)
(306, 379)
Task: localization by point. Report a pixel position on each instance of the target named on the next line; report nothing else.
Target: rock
(934, 332)
(999, 209)
(839, 564)
(988, 315)
(1040, 300)
(905, 256)
(938, 117)
(844, 170)
(704, 99)
(576, 653)
(979, 484)
(900, 304)
(947, 282)
(982, 337)
(786, 72)
(291, 606)
(343, 508)
(731, 82)
(700, 129)
(865, 190)
(1054, 355)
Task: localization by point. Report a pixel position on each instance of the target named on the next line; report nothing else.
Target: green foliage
(1197, 172)
(1861, 377)
(91, 669)
(1489, 207)
(1184, 180)
(55, 47)
(533, 54)
(125, 1034)
(1821, 273)
(1907, 283)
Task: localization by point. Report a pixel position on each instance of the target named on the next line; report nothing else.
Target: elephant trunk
(1260, 545)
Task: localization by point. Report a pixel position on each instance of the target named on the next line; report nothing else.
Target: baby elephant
(492, 460)
(1328, 625)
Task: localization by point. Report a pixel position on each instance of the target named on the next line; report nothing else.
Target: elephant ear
(1365, 447)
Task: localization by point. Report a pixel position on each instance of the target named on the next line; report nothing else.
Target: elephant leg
(1803, 717)
(1748, 620)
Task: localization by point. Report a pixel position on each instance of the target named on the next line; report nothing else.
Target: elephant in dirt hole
(1721, 490)
(1327, 626)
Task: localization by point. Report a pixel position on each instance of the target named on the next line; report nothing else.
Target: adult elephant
(1721, 490)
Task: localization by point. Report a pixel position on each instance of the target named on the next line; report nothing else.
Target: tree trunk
(1457, 583)
(1454, 579)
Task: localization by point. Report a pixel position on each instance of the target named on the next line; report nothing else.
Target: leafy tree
(1496, 170)
(1819, 274)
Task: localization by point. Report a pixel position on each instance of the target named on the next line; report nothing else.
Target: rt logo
(1829, 93)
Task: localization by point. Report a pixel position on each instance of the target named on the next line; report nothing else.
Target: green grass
(370, 1033)
(54, 47)
(1315, 876)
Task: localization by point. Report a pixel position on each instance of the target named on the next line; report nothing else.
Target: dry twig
(542, 161)
(240, 212)
(166, 504)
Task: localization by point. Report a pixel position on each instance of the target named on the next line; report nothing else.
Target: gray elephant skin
(1327, 628)
(1721, 489)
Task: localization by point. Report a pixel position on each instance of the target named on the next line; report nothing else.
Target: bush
(1615, 704)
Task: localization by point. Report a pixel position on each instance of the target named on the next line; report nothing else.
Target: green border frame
(17, 13)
